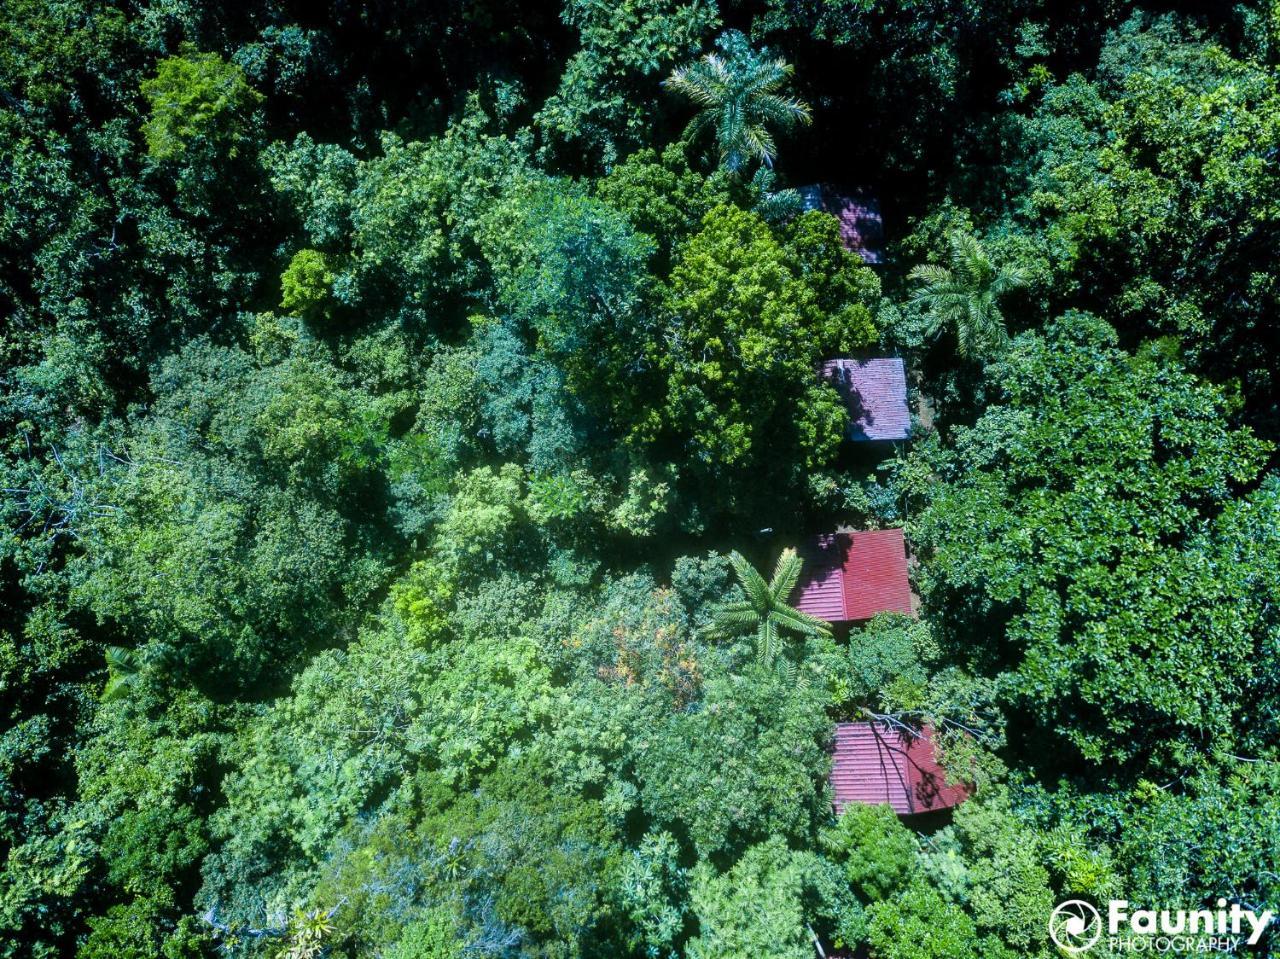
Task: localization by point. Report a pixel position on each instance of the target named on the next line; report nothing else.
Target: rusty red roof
(877, 764)
(853, 576)
(861, 226)
(875, 391)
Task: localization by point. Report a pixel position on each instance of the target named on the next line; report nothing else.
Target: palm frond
(756, 141)
(701, 82)
(800, 622)
(767, 643)
(124, 668)
(967, 255)
(930, 275)
(726, 623)
(1009, 279)
(785, 575)
(785, 111)
(778, 69)
(753, 584)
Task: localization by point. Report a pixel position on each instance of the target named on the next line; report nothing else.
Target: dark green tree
(1084, 539)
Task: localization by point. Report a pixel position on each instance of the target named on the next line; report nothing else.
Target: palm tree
(738, 94)
(764, 608)
(124, 673)
(966, 295)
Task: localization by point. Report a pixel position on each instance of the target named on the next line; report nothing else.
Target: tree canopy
(412, 422)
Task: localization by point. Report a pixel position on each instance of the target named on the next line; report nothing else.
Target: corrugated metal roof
(821, 584)
(875, 574)
(858, 210)
(875, 391)
(853, 576)
(876, 764)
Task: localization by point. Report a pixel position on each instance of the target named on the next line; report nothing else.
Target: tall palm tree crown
(737, 90)
(966, 295)
(764, 607)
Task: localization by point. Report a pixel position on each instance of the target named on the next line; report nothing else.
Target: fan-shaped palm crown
(764, 607)
(124, 672)
(966, 295)
(738, 93)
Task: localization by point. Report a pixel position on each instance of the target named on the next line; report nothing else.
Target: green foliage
(306, 284)
(46, 870)
(762, 905)
(888, 658)
(51, 51)
(391, 393)
(572, 270)
(133, 931)
(1148, 835)
(433, 938)
(197, 100)
(661, 196)
(622, 47)
(1091, 513)
(920, 924)
(743, 767)
(226, 534)
(1007, 881)
(570, 267)
(652, 890)
(143, 770)
(407, 221)
(483, 516)
(1147, 199)
(877, 852)
(748, 325)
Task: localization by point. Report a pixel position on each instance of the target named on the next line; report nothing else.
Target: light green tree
(197, 98)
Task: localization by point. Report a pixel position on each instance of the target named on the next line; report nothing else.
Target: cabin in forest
(861, 226)
(875, 393)
(849, 577)
(876, 763)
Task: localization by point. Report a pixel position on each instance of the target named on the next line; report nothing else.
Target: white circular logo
(1075, 925)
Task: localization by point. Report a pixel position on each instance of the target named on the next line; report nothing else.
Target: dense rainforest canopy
(397, 400)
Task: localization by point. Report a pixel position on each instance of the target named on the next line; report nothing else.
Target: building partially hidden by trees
(858, 210)
(850, 577)
(875, 763)
(875, 392)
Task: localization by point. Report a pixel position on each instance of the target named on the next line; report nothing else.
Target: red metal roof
(861, 226)
(875, 392)
(820, 590)
(853, 576)
(877, 764)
